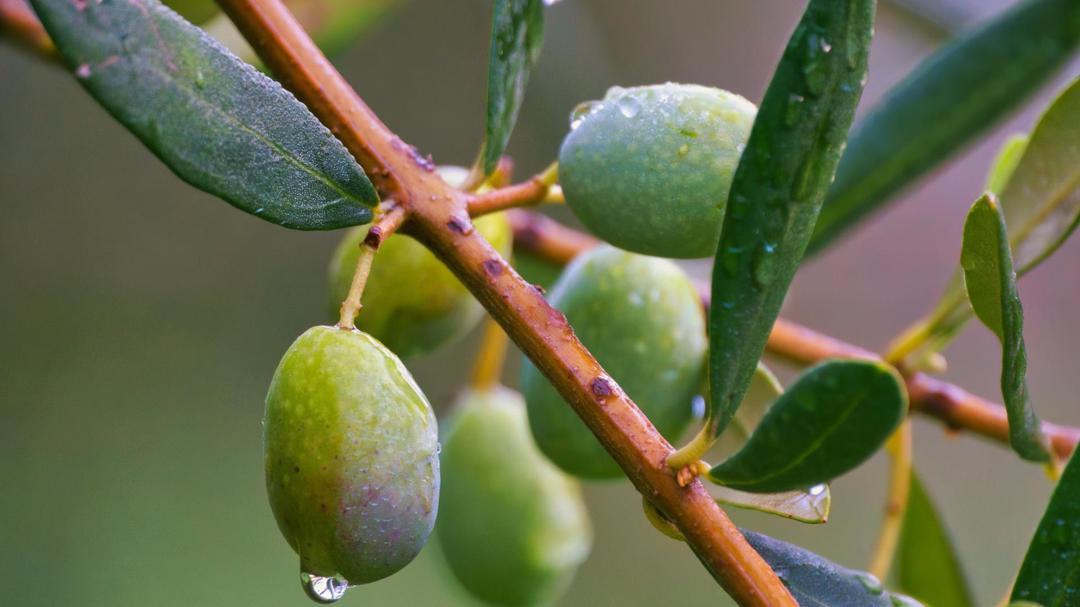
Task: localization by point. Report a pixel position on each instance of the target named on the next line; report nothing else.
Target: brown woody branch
(22, 25)
(957, 408)
(438, 216)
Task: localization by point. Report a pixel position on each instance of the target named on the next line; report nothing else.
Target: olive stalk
(489, 360)
(954, 406)
(539, 189)
(387, 223)
(22, 25)
(438, 217)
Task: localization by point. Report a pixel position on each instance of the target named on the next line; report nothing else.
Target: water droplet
(903, 600)
(697, 407)
(200, 80)
(871, 583)
(731, 259)
(550, 2)
(628, 106)
(817, 490)
(581, 112)
(323, 589)
(793, 109)
(763, 266)
(83, 71)
(684, 150)
(814, 66)
(800, 188)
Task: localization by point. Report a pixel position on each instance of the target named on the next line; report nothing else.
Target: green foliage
(955, 94)
(831, 420)
(349, 439)
(641, 318)
(778, 189)
(991, 288)
(513, 528)
(214, 120)
(412, 302)
(648, 169)
(517, 34)
(814, 581)
(927, 565)
(1005, 163)
(1048, 575)
(195, 11)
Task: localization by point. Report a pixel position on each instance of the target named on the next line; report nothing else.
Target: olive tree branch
(437, 215)
(957, 408)
(22, 25)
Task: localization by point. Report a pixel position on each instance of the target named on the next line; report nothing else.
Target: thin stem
(387, 223)
(487, 369)
(537, 190)
(896, 501)
(438, 217)
(22, 25)
(954, 406)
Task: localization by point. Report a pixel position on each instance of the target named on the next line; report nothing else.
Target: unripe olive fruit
(648, 169)
(642, 320)
(512, 527)
(412, 302)
(351, 454)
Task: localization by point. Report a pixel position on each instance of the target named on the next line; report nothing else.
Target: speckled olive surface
(648, 168)
(412, 302)
(642, 319)
(513, 528)
(351, 451)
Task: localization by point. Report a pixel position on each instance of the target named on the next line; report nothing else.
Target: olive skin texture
(351, 453)
(642, 320)
(412, 302)
(648, 169)
(512, 527)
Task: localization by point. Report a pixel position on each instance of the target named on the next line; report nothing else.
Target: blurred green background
(142, 320)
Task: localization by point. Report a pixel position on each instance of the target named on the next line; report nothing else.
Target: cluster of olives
(353, 465)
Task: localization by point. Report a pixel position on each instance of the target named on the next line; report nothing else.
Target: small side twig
(539, 189)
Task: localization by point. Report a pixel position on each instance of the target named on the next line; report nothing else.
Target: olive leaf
(215, 121)
(1005, 162)
(835, 416)
(778, 188)
(803, 505)
(955, 94)
(1048, 575)
(991, 289)
(927, 565)
(517, 33)
(815, 581)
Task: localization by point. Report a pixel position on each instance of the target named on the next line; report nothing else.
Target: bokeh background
(141, 320)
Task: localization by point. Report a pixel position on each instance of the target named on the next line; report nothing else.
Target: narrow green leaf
(778, 188)
(517, 33)
(991, 287)
(954, 95)
(215, 121)
(1050, 574)
(817, 582)
(1042, 199)
(832, 419)
(803, 505)
(926, 563)
(1005, 163)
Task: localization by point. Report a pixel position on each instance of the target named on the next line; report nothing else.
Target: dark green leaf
(215, 121)
(926, 563)
(832, 419)
(991, 287)
(1050, 574)
(517, 33)
(778, 188)
(195, 11)
(957, 93)
(816, 582)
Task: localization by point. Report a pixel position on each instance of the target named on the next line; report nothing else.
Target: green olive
(412, 302)
(648, 169)
(642, 320)
(351, 453)
(512, 527)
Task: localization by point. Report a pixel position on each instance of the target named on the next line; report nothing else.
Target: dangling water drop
(817, 490)
(871, 583)
(323, 589)
(793, 109)
(903, 600)
(763, 265)
(628, 106)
